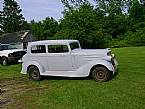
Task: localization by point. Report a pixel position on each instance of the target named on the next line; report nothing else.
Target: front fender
(85, 69)
(105, 63)
(35, 63)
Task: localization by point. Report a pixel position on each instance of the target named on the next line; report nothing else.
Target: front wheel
(101, 74)
(34, 73)
(4, 61)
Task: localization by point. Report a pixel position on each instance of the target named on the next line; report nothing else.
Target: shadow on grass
(65, 78)
(13, 63)
(116, 74)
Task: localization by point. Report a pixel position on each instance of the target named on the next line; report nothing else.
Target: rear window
(38, 49)
(58, 49)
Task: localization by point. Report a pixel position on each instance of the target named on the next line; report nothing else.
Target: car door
(39, 55)
(59, 58)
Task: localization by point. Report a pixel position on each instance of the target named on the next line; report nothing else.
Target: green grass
(10, 71)
(125, 91)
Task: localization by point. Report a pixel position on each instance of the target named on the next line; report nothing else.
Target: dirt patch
(4, 102)
(12, 87)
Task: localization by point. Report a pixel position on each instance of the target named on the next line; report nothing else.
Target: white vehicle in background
(8, 54)
(66, 58)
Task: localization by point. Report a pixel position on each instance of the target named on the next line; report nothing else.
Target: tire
(4, 61)
(101, 74)
(34, 73)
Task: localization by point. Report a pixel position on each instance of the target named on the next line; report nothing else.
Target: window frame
(58, 45)
(75, 48)
(38, 52)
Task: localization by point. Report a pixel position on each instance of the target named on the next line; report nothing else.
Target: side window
(74, 45)
(58, 49)
(38, 49)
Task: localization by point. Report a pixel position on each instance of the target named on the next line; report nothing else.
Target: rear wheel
(101, 74)
(34, 73)
(4, 61)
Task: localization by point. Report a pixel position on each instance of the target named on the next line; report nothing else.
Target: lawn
(125, 91)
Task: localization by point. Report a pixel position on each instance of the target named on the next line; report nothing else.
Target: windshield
(4, 47)
(74, 45)
(7, 47)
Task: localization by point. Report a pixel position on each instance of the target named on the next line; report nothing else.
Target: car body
(65, 58)
(9, 54)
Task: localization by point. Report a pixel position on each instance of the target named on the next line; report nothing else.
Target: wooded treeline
(107, 23)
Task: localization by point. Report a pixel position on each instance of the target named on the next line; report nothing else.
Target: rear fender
(25, 67)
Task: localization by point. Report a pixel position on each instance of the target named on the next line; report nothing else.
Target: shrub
(136, 38)
(115, 43)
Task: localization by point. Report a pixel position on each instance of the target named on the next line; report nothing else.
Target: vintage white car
(66, 58)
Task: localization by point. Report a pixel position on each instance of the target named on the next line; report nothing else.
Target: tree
(12, 20)
(115, 18)
(119, 21)
(70, 5)
(36, 29)
(44, 29)
(83, 24)
(137, 11)
(136, 38)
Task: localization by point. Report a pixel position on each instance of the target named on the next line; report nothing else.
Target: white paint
(75, 63)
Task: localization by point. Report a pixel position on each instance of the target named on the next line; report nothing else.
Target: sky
(39, 9)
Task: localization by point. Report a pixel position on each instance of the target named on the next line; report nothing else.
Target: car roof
(52, 42)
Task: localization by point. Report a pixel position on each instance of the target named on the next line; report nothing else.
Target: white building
(18, 40)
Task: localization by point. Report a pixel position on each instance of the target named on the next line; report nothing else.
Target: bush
(136, 38)
(115, 43)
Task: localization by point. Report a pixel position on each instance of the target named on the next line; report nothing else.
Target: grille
(19, 53)
(112, 61)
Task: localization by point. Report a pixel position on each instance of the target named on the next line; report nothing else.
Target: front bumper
(14, 59)
(115, 64)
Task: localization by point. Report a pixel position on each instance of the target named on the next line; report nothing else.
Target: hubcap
(4, 62)
(100, 75)
(34, 74)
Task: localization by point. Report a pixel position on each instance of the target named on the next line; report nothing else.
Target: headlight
(10, 55)
(109, 53)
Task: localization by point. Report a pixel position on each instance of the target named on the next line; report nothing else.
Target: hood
(91, 52)
(11, 51)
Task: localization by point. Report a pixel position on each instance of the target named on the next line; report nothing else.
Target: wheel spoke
(34, 73)
(101, 74)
